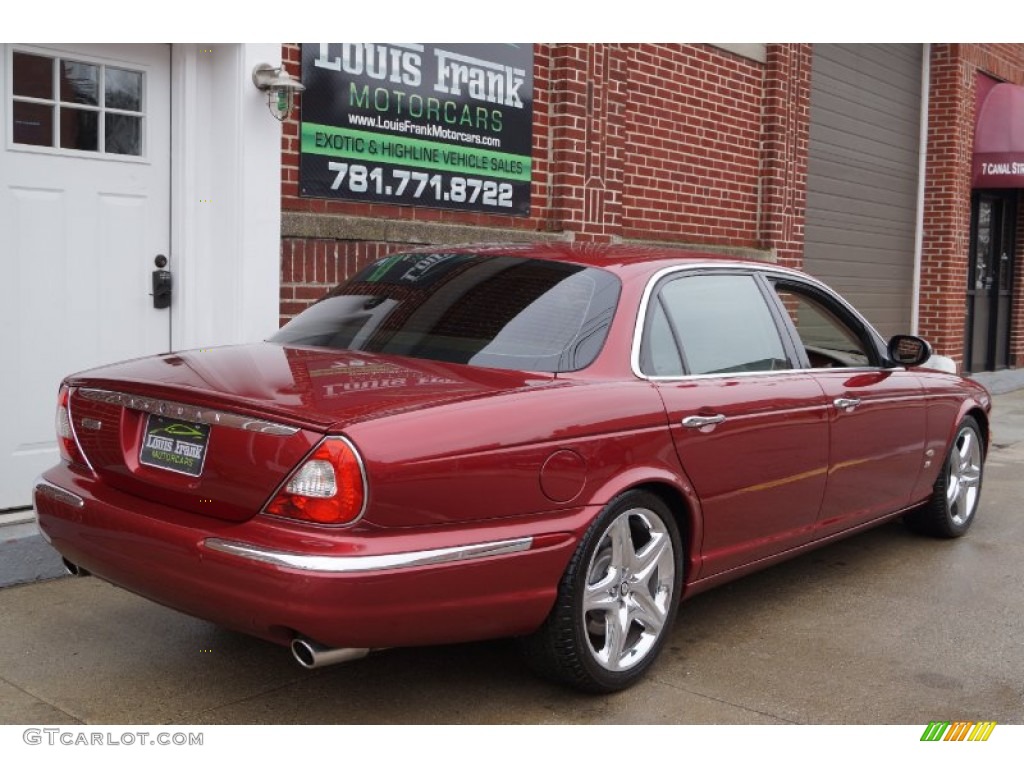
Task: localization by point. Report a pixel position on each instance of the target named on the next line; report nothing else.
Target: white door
(84, 211)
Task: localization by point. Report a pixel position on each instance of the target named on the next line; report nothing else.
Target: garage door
(862, 176)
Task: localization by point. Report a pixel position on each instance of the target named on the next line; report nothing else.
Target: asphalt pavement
(883, 627)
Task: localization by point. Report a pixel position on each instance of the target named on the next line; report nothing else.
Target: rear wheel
(617, 600)
(954, 500)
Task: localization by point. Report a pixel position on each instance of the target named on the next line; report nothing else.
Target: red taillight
(66, 440)
(327, 488)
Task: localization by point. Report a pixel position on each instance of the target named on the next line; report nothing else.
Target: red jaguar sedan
(558, 443)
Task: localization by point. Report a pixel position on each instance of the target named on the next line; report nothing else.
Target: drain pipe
(312, 655)
(922, 167)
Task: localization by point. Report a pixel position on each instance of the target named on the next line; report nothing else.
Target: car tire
(951, 509)
(616, 601)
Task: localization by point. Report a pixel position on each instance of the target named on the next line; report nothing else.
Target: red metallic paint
(157, 552)
(457, 455)
(419, 464)
(242, 468)
(760, 474)
(563, 475)
(876, 450)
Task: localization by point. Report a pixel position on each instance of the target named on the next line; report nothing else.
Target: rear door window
(720, 323)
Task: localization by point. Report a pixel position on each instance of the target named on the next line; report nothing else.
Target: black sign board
(442, 126)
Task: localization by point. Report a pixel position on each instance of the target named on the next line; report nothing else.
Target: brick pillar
(568, 115)
(947, 204)
(1017, 306)
(785, 130)
(588, 134)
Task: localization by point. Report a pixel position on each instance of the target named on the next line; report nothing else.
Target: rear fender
(690, 516)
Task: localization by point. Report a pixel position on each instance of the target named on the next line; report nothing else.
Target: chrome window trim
(368, 563)
(745, 374)
(196, 415)
(55, 492)
(753, 270)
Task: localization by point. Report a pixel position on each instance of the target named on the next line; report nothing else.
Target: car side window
(661, 350)
(722, 323)
(828, 340)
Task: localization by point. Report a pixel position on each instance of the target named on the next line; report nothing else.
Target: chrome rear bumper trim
(55, 492)
(367, 563)
(186, 412)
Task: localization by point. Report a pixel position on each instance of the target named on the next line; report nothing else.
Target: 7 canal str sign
(442, 126)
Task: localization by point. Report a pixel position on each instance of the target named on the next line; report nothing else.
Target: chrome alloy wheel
(964, 480)
(956, 495)
(629, 589)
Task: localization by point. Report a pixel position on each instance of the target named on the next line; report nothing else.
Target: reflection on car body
(556, 442)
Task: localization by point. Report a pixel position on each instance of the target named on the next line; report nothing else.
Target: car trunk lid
(216, 432)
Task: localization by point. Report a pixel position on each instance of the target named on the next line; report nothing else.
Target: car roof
(616, 257)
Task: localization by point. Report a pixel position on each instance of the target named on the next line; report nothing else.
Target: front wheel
(617, 599)
(954, 500)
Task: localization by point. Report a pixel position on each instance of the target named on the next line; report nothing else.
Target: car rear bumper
(278, 580)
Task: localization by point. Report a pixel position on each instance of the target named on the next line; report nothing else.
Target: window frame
(766, 278)
(653, 296)
(101, 110)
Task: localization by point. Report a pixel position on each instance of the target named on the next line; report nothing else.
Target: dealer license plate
(178, 446)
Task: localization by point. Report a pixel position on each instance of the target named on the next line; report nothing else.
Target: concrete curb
(25, 556)
(1001, 382)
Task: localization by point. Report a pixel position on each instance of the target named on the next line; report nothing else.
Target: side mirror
(909, 351)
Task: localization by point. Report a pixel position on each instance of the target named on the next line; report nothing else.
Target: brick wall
(786, 142)
(1017, 306)
(588, 133)
(947, 201)
(310, 266)
(684, 144)
(680, 144)
(693, 117)
(947, 217)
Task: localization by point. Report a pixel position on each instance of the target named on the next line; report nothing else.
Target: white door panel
(79, 230)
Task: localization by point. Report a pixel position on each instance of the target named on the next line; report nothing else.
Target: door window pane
(124, 89)
(33, 76)
(79, 83)
(724, 324)
(78, 129)
(123, 134)
(33, 124)
(982, 276)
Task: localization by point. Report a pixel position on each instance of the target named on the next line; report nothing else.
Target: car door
(876, 413)
(750, 429)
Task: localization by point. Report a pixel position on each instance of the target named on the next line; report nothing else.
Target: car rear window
(492, 311)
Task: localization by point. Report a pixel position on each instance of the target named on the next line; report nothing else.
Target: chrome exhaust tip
(72, 569)
(311, 654)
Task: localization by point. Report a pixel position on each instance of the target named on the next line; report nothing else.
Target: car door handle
(696, 422)
(846, 403)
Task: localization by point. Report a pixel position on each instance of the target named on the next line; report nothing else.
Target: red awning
(999, 139)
